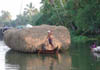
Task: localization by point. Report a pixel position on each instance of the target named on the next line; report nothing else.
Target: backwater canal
(78, 57)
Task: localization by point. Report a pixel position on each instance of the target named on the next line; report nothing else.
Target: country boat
(55, 50)
(95, 48)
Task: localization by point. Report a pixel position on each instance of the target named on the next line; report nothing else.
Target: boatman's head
(49, 32)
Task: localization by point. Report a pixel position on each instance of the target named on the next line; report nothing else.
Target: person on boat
(49, 37)
(93, 45)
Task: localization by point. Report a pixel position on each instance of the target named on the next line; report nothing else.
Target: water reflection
(3, 50)
(96, 56)
(20, 61)
(82, 58)
(78, 58)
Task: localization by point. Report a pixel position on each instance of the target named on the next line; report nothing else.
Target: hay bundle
(30, 39)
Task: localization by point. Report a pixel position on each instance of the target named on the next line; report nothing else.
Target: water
(79, 57)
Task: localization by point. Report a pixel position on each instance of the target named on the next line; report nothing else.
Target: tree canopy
(80, 16)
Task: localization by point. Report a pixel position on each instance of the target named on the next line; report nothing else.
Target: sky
(15, 7)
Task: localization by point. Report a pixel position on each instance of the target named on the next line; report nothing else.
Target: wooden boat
(97, 49)
(55, 50)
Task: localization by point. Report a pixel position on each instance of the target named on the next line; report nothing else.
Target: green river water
(78, 57)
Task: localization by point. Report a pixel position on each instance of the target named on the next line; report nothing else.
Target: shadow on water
(21, 61)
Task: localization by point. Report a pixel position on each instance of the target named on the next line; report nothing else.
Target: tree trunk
(61, 2)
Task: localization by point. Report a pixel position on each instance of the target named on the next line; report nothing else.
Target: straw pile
(31, 39)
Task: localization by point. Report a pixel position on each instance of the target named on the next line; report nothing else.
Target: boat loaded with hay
(33, 39)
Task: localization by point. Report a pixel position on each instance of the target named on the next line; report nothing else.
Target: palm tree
(30, 10)
(6, 16)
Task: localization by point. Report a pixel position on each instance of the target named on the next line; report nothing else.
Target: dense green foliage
(82, 17)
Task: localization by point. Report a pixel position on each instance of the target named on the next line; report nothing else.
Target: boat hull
(47, 51)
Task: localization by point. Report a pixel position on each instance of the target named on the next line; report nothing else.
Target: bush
(80, 39)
